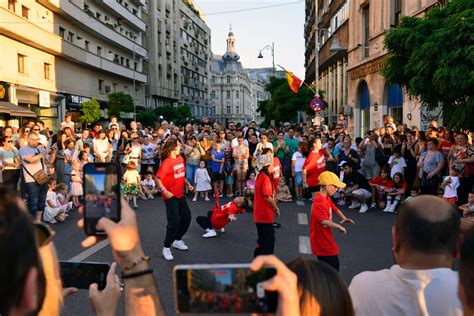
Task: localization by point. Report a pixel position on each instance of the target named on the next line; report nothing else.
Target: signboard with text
(44, 99)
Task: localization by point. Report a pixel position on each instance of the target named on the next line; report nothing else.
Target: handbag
(40, 176)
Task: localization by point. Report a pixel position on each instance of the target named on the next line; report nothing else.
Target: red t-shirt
(277, 170)
(386, 183)
(315, 164)
(220, 215)
(262, 209)
(172, 173)
(445, 147)
(322, 240)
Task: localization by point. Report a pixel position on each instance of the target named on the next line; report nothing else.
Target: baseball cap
(343, 163)
(329, 178)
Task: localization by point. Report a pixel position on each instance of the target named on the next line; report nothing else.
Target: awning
(15, 110)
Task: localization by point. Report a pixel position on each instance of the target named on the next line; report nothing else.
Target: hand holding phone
(82, 274)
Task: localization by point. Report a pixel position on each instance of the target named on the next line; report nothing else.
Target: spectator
(297, 162)
(466, 273)
(102, 148)
(431, 164)
(349, 154)
(468, 208)
(462, 158)
(67, 122)
(451, 185)
(192, 153)
(370, 166)
(397, 162)
(409, 153)
(395, 193)
(425, 243)
(241, 155)
(11, 162)
(264, 143)
(357, 187)
(379, 184)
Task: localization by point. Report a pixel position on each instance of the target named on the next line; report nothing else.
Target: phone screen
(102, 194)
(223, 289)
(82, 274)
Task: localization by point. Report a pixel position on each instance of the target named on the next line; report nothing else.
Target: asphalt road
(367, 246)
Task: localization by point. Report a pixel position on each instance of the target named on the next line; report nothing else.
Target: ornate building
(231, 87)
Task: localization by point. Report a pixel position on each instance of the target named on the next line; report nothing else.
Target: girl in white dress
(203, 181)
(53, 212)
(76, 182)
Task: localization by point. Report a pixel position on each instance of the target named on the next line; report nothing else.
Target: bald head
(428, 224)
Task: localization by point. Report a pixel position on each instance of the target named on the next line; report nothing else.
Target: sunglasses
(135, 138)
(9, 141)
(36, 129)
(44, 233)
(27, 130)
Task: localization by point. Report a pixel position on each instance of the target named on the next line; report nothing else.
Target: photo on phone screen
(82, 274)
(102, 194)
(231, 288)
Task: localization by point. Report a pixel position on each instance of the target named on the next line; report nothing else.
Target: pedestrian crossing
(304, 245)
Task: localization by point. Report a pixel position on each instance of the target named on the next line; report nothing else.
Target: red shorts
(451, 200)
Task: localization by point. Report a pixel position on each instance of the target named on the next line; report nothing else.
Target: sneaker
(221, 195)
(167, 254)
(392, 208)
(206, 199)
(222, 230)
(276, 225)
(373, 205)
(210, 233)
(179, 244)
(195, 199)
(387, 208)
(354, 204)
(364, 208)
(135, 206)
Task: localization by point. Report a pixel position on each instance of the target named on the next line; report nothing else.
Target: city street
(367, 246)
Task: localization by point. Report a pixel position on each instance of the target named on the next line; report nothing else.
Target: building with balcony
(231, 87)
(59, 53)
(332, 17)
(371, 99)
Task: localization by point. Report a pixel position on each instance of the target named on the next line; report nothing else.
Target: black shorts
(314, 188)
(216, 176)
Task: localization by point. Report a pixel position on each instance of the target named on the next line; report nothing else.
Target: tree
(90, 111)
(283, 104)
(119, 102)
(433, 58)
(146, 118)
(171, 113)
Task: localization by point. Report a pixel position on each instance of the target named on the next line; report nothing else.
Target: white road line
(302, 219)
(89, 252)
(300, 203)
(304, 245)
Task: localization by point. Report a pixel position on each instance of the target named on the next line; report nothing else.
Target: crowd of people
(426, 177)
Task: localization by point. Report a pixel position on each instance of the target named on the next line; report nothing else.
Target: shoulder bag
(40, 176)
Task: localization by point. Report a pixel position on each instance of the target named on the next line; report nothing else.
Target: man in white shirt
(425, 243)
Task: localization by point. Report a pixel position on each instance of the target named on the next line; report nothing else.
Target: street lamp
(272, 48)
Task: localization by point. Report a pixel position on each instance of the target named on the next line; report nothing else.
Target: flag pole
(301, 81)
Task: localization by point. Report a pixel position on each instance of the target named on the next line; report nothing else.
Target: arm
(330, 223)
(163, 189)
(352, 188)
(35, 158)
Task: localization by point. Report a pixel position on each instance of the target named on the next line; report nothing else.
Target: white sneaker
(373, 205)
(210, 233)
(354, 204)
(387, 208)
(167, 254)
(222, 230)
(392, 208)
(364, 208)
(179, 244)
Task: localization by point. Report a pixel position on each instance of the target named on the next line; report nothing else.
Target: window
(101, 85)
(21, 63)
(11, 5)
(213, 79)
(61, 32)
(228, 79)
(24, 11)
(366, 34)
(398, 11)
(237, 110)
(98, 15)
(47, 71)
(70, 37)
(86, 45)
(228, 109)
(99, 50)
(237, 94)
(228, 94)
(115, 86)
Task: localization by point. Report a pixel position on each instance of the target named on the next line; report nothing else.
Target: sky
(282, 24)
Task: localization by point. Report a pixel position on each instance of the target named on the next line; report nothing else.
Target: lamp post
(272, 48)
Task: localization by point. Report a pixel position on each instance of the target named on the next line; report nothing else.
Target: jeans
(266, 239)
(36, 197)
(190, 171)
(178, 215)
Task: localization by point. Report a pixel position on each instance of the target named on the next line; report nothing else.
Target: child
(468, 208)
(451, 185)
(76, 182)
(413, 193)
(53, 213)
(217, 167)
(250, 184)
(87, 149)
(284, 194)
(131, 177)
(378, 185)
(395, 193)
(297, 162)
(63, 196)
(397, 162)
(202, 180)
(222, 215)
(148, 186)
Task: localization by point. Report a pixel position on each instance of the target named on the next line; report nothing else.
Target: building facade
(57, 54)
(231, 87)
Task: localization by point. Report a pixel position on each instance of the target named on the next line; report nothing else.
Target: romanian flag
(293, 81)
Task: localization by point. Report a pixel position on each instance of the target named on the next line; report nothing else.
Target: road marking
(89, 252)
(302, 219)
(300, 203)
(304, 245)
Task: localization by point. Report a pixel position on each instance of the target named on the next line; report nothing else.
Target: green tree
(433, 58)
(146, 118)
(283, 104)
(119, 102)
(90, 111)
(171, 113)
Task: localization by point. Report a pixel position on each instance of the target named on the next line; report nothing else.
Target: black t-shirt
(357, 178)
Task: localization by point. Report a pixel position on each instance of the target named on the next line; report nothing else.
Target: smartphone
(102, 195)
(82, 274)
(222, 288)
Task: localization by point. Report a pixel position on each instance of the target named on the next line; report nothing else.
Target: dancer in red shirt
(323, 244)
(171, 180)
(314, 165)
(276, 171)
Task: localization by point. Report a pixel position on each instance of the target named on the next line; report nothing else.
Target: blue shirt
(217, 155)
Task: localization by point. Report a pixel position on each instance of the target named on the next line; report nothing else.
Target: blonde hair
(61, 186)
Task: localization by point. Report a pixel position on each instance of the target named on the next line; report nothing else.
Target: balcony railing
(127, 16)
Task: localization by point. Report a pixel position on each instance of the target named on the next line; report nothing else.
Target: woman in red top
(171, 180)
(323, 244)
(277, 170)
(265, 207)
(314, 165)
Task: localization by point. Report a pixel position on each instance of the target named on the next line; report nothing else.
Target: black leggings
(178, 215)
(266, 239)
(205, 221)
(333, 261)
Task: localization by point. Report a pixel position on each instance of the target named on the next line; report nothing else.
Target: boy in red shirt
(323, 244)
(378, 185)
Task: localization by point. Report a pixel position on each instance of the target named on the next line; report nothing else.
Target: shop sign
(4, 91)
(73, 102)
(369, 68)
(44, 99)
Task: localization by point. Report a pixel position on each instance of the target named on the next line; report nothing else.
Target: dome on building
(230, 56)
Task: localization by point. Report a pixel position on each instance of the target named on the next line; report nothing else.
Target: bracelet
(137, 262)
(136, 274)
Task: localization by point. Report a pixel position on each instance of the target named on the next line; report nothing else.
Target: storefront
(10, 113)
(73, 106)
